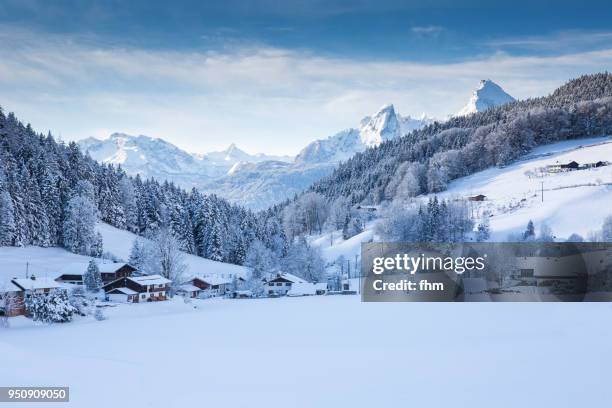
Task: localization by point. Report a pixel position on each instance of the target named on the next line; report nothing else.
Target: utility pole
(542, 190)
(27, 269)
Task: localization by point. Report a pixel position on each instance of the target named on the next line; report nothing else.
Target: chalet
(149, 288)
(281, 284)
(189, 291)
(109, 272)
(12, 301)
(211, 286)
(479, 197)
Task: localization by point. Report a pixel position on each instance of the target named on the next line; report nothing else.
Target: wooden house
(211, 286)
(149, 288)
(573, 165)
(109, 272)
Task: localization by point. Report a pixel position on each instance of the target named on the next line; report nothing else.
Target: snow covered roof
(149, 280)
(125, 291)
(79, 268)
(214, 280)
(290, 278)
(38, 283)
(188, 288)
(302, 289)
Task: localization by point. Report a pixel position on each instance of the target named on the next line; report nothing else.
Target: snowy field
(328, 351)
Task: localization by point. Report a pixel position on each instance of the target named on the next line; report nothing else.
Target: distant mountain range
(259, 181)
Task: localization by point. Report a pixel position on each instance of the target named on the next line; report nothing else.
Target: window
(279, 284)
(288, 284)
(142, 296)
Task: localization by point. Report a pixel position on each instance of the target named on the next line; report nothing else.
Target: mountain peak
(383, 125)
(487, 95)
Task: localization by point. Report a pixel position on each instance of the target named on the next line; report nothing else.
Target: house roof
(213, 280)
(291, 278)
(188, 288)
(79, 268)
(38, 283)
(124, 291)
(149, 280)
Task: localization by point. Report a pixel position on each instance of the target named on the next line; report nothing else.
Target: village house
(109, 272)
(281, 284)
(134, 289)
(211, 286)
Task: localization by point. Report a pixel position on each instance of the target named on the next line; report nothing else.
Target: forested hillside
(52, 195)
(425, 160)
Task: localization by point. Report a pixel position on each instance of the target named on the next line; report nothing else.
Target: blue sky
(274, 75)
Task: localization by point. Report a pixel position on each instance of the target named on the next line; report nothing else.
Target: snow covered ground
(324, 351)
(575, 201)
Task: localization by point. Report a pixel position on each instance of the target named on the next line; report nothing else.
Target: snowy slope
(119, 243)
(47, 262)
(319, 351)
(574, 202)
(487, 95)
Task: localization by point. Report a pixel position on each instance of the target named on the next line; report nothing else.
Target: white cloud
(430, 29)
(262, 98)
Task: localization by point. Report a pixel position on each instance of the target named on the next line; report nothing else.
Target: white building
(281, 284)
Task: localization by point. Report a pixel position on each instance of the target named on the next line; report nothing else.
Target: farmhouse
(149, 288)
(211, 286)
(281, 284)
(109, 272)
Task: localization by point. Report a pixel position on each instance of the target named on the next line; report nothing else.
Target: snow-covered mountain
(256, 181)
(260, 185)
(157, 158)
(487, 95)
(385, 124)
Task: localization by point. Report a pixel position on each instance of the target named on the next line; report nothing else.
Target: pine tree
(7, 219)
(92, 278)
